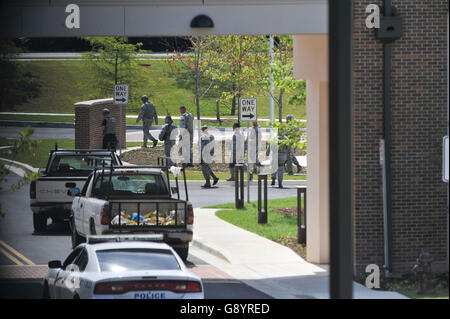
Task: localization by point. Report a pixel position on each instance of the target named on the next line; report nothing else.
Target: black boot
(207, 184)
(216, 180)
(299, 168)
(155, 142)
(273, 182)
(280, 184)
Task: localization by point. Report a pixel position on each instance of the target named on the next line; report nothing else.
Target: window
(130, 184)
(77, 165)
(82, 260)
(119, 260)
(71, 258)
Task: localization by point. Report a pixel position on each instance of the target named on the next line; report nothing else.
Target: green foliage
(17, 85)
(113, 60)
(294, 132)
(23, 144)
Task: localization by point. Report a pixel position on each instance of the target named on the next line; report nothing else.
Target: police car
(122, 267)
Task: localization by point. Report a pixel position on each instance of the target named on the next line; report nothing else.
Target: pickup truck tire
(45, 291)
(39, 222)
(183, 252)
(76, 239)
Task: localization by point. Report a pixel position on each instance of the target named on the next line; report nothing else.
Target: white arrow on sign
(248, 109)
(121, 94)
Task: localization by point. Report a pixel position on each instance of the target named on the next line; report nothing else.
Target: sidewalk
(263, 264)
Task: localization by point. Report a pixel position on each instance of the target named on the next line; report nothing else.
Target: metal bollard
(262, 214)
(301, 230)
(239, 185)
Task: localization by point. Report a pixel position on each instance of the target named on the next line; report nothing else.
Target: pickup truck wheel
(76, 239)
(92, 228)
(39, 222)
(183, 252)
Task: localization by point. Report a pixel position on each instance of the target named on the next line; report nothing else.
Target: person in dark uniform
(164, 135)
(109, 131)
(207, 171)
(236, 157)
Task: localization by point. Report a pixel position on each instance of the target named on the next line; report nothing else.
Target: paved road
(16, 231)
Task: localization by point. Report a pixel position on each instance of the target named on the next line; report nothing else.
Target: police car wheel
(39, 222)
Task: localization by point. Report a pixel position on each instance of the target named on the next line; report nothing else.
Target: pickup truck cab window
(76, 164)
(130, 184)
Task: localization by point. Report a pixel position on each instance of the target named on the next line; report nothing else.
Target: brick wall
(88, 120)
(419, 121)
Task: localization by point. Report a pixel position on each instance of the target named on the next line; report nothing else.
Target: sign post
(121, 98)
(248, 111)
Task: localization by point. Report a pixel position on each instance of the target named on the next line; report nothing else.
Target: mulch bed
(291, 242)
(291, 211)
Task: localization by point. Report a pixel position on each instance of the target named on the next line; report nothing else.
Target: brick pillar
(88, 121)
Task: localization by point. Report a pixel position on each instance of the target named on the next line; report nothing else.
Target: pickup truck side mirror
(174, 190)
(75, 191)
(54, 264)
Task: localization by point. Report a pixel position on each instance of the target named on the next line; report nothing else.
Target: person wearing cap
(147, 114)
(165, 135)
(291, 159)
(108, 131)
(207, 171)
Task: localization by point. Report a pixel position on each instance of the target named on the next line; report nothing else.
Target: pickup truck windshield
(130, 184)
(76, 165)
(119, 260)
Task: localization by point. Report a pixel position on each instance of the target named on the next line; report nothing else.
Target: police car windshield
(120, 260)
(77, 164)
(130, 184)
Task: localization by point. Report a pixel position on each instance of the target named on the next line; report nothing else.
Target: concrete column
(318, 232)
(311, 64)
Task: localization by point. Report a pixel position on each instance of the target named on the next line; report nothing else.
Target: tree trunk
(280, 105)
(233, 102)
(217, 103)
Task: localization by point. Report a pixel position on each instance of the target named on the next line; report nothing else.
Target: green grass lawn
(62, 87)
(278, 226)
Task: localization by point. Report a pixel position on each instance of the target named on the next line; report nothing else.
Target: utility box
(88, 123)
(390, 29)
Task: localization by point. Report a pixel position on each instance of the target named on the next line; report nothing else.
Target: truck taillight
(33, 189)
(104, 220)
(190, 214)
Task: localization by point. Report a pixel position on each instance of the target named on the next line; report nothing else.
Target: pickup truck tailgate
(53, 189)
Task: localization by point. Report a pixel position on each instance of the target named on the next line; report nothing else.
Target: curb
(209, 248)
(25, 167)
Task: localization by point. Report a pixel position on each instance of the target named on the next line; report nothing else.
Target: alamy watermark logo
(72, 280)
(373, 19)
(373, 277)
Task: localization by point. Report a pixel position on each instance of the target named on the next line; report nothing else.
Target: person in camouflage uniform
(291, 158)
(147, 114)
(164, 135)
(207, 171)
(109, 131)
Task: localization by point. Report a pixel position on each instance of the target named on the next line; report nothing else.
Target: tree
(239, 55)
(295, 133)
(22, 144)
(197, 63)
(282, 71)
(17, 85)
(113, 60)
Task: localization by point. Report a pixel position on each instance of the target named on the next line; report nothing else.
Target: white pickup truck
(132, 199)
(65, 169)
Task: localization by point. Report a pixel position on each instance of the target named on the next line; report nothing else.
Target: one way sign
(121, 94)
(248, 109)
